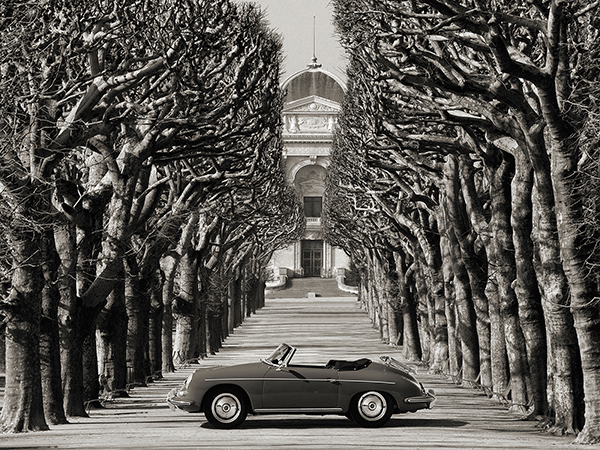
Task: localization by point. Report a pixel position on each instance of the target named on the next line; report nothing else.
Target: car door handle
(332, 380)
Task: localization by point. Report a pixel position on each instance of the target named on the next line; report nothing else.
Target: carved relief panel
(315, 116)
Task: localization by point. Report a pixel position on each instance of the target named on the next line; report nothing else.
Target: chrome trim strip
(322, 380)
(270, 379)
(422, 399)
(297, 410)
(328, 380)
(179, 402)
(368, 381)
(208, 380)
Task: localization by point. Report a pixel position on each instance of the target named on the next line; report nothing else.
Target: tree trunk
(232, 294)
(203, 332)
(574, 252)
(526, 286)
(89, 356)
(454, 350)
(69, 312)
(465, 315)
(461, 252)
(112, 338)
(438, 300)
(371, 295)
(425, 332)
(237, 293)
(254, 285)
(381, 281)
(215, 305)
(23, 408)
(505, 276)
(155, 326)
(411, 345)
(477, 268)
(393, 317)
(78, 323)
(2, 352)
(260, 289)
(52, 392)
(563, 349)
(564, 375)
(169, 264)
(224, 318)
(186, 308)
(137, 305)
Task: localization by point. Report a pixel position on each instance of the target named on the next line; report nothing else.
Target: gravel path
(321, 328)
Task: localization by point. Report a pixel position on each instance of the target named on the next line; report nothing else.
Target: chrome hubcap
(226, 407)
(372, 406)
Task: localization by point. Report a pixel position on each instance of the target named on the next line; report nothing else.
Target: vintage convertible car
(364, 391)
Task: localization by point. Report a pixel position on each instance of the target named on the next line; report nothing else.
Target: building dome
(314, 81)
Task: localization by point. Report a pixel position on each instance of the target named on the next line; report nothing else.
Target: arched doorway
(312, 258)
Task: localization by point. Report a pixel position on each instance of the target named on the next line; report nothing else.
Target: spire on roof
(314, 64)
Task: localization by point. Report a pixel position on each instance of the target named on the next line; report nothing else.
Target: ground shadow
(305, 423)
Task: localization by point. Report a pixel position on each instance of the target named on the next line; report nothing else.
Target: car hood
(247, 370)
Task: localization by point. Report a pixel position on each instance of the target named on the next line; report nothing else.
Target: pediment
(312, 104)
(310, 116)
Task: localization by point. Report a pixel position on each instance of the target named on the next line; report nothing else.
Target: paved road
(320, 327)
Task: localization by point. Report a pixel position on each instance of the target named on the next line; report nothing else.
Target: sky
(294, 20)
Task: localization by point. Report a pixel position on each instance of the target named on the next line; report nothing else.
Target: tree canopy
(468, 122)
(141, 153)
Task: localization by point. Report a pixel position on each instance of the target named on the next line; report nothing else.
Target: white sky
(294, 20)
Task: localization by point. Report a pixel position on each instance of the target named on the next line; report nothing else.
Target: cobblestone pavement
(321, 328)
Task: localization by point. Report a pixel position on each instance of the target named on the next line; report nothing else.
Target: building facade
(312, 104)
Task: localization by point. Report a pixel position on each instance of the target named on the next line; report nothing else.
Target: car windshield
(279, 354)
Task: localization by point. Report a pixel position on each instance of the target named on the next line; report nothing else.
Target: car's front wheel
(372, 409)
(226, 408)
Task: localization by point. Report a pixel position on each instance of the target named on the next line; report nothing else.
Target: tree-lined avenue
(320, 328)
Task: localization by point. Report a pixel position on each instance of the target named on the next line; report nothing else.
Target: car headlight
(186, 384)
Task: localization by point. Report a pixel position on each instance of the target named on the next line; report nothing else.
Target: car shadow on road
(304, 423)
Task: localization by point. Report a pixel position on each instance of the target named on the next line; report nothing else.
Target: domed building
(312, 104)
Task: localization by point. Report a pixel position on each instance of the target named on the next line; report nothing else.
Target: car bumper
(427, 399)
(175, 402)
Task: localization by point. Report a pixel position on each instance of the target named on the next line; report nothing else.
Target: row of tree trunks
(204, 317)
(518, 217)
(108, 155)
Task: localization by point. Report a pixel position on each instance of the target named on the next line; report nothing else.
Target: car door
(300, 387)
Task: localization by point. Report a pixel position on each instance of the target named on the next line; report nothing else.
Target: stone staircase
(305, 287)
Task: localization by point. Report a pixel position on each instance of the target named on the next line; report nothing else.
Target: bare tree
(101, 93)
(487, 84)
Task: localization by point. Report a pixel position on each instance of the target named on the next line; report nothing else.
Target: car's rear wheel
(372, 409)
(226, 408)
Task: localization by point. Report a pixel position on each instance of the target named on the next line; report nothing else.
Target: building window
(313, 206)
